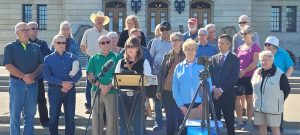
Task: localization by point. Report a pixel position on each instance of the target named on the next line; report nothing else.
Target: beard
(193, 29)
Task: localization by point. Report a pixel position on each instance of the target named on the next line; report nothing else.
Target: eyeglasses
(267, 44)
(105, 42)
(176, 40)
(162, 29)
(243, 22)
(60, 43)
(130, 46)
(34, 29)
(244, 34)
(24, 30)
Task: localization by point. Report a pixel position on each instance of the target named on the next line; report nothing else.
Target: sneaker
(239, 125)
(248, 126)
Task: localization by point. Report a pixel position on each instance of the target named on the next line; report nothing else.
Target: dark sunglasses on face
(244, 34)
(175, 40)
(164, 29)
(105, 42)
(267, 44)
(60, 43)
(130, 46)
(243, 22)
(34, 29)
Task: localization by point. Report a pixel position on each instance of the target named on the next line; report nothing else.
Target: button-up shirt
(206, 50)
(57, 68)
(90, 40)
(186, 82)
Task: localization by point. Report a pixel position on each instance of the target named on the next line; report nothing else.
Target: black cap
(165, 24)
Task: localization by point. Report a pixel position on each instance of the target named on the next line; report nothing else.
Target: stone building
(269, 17)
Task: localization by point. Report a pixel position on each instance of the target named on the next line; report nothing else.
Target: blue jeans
(172, 111)
(158, 112)
(125, 105)
(88, 89)
(56, 99)
(22, 97)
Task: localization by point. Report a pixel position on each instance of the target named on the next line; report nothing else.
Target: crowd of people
(244, 80)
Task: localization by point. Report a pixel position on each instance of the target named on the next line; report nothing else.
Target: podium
(133, 85)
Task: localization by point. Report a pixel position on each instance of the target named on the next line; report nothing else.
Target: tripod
(96, 95)
(206, 103)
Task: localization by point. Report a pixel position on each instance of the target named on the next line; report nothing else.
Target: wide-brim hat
(99, 14)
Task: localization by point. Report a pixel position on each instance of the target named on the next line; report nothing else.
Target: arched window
(116, 11)
(157, 12)
(201, 11)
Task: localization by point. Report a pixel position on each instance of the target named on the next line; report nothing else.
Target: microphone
(106, 67)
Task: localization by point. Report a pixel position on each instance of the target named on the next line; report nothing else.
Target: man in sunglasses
(33, 37)
(24, 62)
(237, 39)
(57, 67)
(105, 98)
(160, 46)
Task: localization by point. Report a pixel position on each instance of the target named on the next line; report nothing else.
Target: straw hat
(99, 14)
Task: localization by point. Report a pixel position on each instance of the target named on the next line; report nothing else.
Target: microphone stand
(96, 95)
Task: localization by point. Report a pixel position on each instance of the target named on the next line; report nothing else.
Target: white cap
(272, 40)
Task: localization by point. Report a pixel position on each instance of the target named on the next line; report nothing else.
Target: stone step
(295, 85)
(6, 77)
(294, 79)
(81, 83)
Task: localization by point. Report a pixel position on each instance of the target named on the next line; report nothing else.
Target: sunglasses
(105, 42)
(243, 22)
(24, 30)
(267, 44)
(130, 46)
(60, 43)
(244, 34)
(34, 29)
(162, 29)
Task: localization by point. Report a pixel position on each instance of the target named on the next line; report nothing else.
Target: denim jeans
(172, 111)
(22, 97)
(126, 103)
(88, 87)
(56, 99)
(42, 107)
(158, 112)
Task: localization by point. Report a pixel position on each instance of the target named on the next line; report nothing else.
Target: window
(291, 18)
(42, 16)
(276, 19)
(27, 13)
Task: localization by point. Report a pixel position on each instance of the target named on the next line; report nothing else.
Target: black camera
(205, 61)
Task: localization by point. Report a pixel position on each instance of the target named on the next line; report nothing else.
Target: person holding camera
(105, 97)
(224, 74)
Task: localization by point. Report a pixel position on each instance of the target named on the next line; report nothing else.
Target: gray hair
(103, 36)
(32, 23)
(248, 29)
(266, 54)
(65, 24)
(203, 30)
(176, 35)
(112, 34)
(18, 25)
(245, 17)
(209, 26)
(56, 37)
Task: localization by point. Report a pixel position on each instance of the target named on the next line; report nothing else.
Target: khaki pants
(110, 103)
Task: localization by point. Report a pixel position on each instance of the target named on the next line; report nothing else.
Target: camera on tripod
(206, 62)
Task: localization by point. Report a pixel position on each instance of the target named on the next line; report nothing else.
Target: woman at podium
(130, 104)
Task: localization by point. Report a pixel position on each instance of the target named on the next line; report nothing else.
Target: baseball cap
(272, 40)
(165, 24)
(192, 20)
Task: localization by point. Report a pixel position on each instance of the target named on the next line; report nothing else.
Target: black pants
(41, 100)
(226, 105)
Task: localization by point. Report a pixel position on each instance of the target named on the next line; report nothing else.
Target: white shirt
(90, 40)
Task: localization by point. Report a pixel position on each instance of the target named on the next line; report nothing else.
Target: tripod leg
(189, 110)
(213, 111)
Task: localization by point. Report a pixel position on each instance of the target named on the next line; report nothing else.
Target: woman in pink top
(248, 55)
